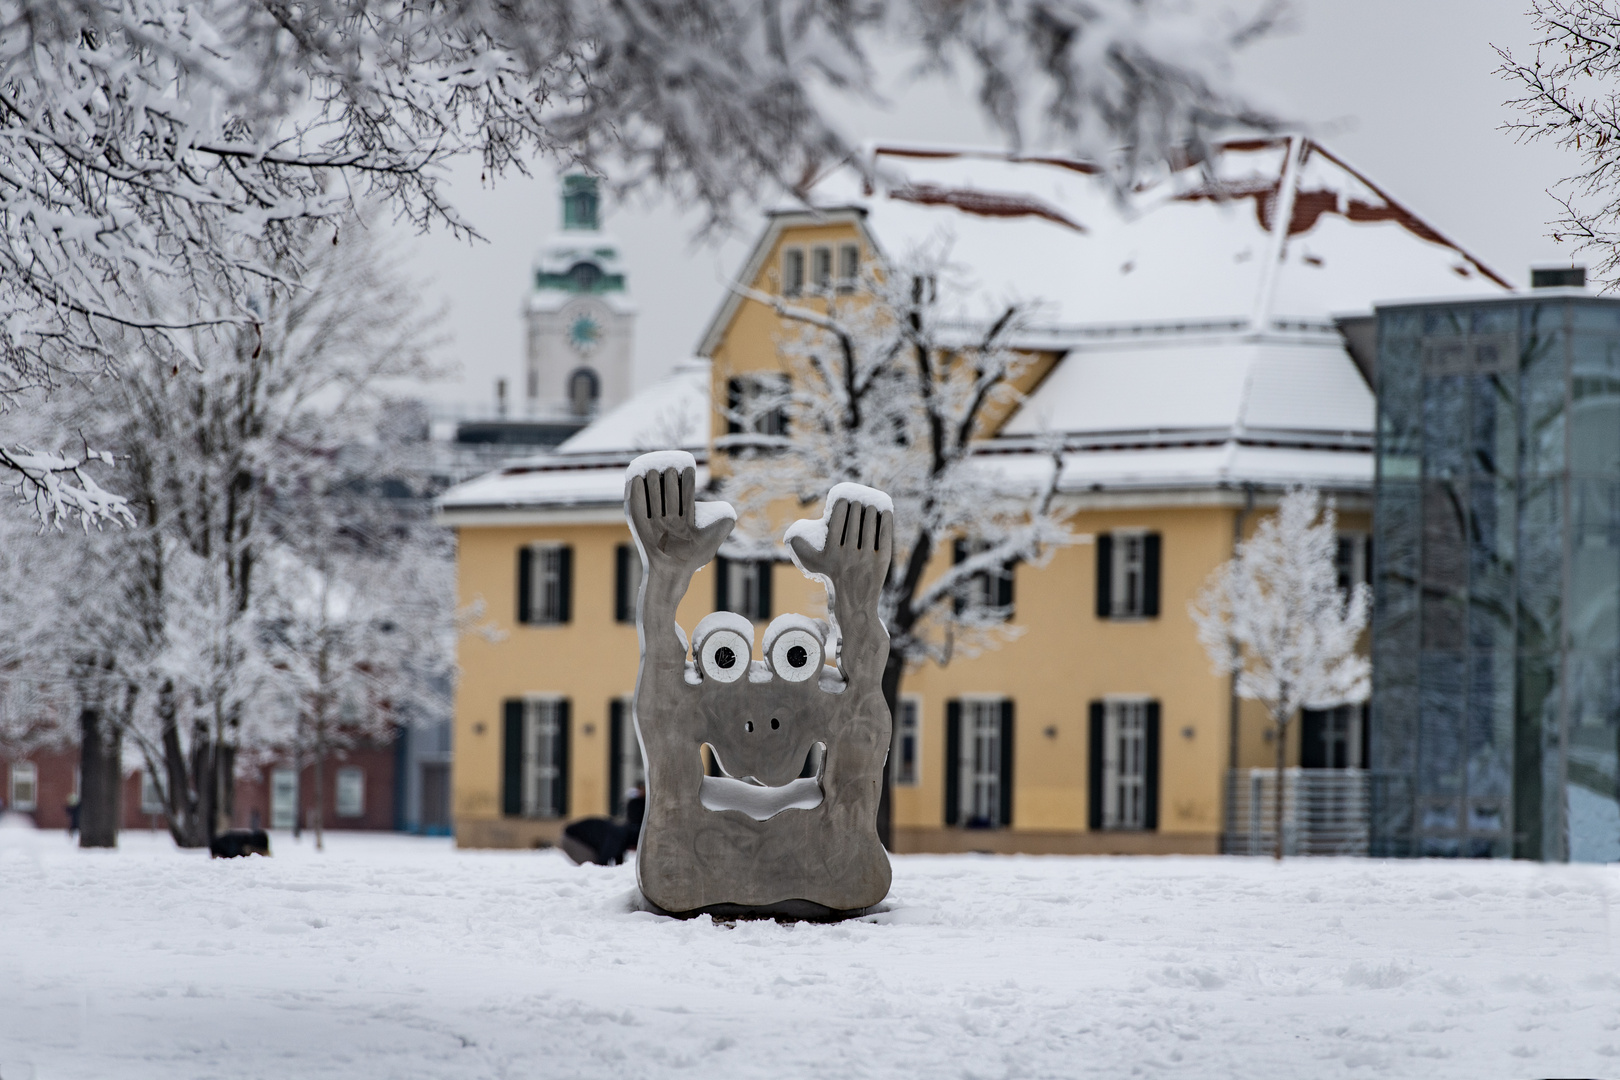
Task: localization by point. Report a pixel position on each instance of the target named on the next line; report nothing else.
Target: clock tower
(580, 317)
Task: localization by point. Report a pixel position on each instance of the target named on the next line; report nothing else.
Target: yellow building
(1190, 358)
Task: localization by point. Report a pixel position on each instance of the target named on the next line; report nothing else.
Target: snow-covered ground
(398, 957)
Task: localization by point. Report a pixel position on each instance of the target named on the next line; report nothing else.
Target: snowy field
(397, 957)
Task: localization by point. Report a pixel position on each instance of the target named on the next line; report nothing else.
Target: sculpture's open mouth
(762, 801)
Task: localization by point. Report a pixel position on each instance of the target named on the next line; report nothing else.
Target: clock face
(586, 327)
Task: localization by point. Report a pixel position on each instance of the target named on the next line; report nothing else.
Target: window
(989, 591)
(792, 272)
(743, 586)
(535, 749)
(757, 405)
(24, 786)
(351, 792)
(581, 203)
(283, 799)
(849, 267)
(978, 763)
(1333, 738)
(151, 799)
(1128, 575)
(908, 743)
(624, 755)
(821, 268)
(1124, 773)
(1350, 562)
(626, 582)
(545, 584)
(583, 389)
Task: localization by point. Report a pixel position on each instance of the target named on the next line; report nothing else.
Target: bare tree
(882, 388)
(1568, 95)
(200, 143)
(1274, 617)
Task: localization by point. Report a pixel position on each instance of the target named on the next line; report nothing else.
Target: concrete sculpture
(788, 827)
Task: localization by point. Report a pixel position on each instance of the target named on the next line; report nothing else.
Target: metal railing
(1324, 812)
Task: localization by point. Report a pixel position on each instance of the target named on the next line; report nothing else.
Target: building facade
(1189, 366)
(1496, 706)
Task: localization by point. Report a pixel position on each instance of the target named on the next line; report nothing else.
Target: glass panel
(1594, 418)
(1541, 402)
(1445, 566)
(1445, 426)
(1594, 757)
(1490, 565)
(1535, 758)
(1440, 740)
(1490, 730)
(1400, 406)
(1495, 435)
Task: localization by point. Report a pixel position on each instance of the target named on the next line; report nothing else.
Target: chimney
(1558, 277)
(500, 398)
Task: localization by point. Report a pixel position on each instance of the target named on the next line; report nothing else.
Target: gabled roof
(1195, 245)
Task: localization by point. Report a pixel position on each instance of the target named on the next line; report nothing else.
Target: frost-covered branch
(59, 488)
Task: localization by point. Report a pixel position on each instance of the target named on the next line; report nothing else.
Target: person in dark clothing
(73, 815)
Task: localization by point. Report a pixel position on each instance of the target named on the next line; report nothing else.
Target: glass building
(1496, 558)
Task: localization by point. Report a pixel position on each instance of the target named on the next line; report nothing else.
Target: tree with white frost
(199, 144)
(1275, 619)
(893, 388)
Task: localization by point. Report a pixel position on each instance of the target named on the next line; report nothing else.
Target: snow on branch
(59, 488)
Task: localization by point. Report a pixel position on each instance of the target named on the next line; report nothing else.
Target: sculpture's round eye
(795, 655)
(724, 656)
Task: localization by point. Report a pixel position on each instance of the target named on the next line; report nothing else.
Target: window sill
(1128, 618)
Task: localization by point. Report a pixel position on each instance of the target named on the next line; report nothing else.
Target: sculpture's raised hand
(677, 533)
(850, 546)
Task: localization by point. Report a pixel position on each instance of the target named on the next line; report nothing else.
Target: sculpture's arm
(676, 535)
(849, 549)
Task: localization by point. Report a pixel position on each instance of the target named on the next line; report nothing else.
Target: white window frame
(744, 596)
(980, 785)
(25, 777)
(908, 736)
(849, 267)
(793, 271)
(351, 803)
(151, 799)
(1128, 568)
(278, 777)
(542, 751)
(546, 584)
(821, 268)
(752, 387)
(1124, 771)
(1353, 570)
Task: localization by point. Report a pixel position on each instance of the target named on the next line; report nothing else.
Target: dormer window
(793, 272)
(580, 202)
(821, 268)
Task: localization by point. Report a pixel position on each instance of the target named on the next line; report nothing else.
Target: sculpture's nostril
(797, 656)
(724, 657)
(775, 723)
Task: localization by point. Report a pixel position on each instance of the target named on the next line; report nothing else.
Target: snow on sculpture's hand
(850, 546)
(674, 530)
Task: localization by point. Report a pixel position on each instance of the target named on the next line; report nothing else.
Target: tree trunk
(320, 782)
(1282, 760)
(100, 779)
(893, 669)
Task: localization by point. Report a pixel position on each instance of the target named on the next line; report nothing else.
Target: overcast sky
(1404, 90)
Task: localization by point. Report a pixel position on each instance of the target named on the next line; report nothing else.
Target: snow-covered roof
(1194, 246)
(1301, 385)
(587, 471)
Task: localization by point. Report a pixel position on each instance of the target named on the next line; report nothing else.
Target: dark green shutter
(615, 757)
(953, 763)
(722, 591)
(525, 588)
(734, 399)
(959, 554)
(767, 572)
(1095, 734)
(1150, 769)
(1004, 588)
(1150, 575)
(512, 759)
(624, 605)
(1105, 576)
(565, 584)
(1006, 763)
(563, 711)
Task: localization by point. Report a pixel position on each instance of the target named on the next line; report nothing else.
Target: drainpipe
(1239, 521)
